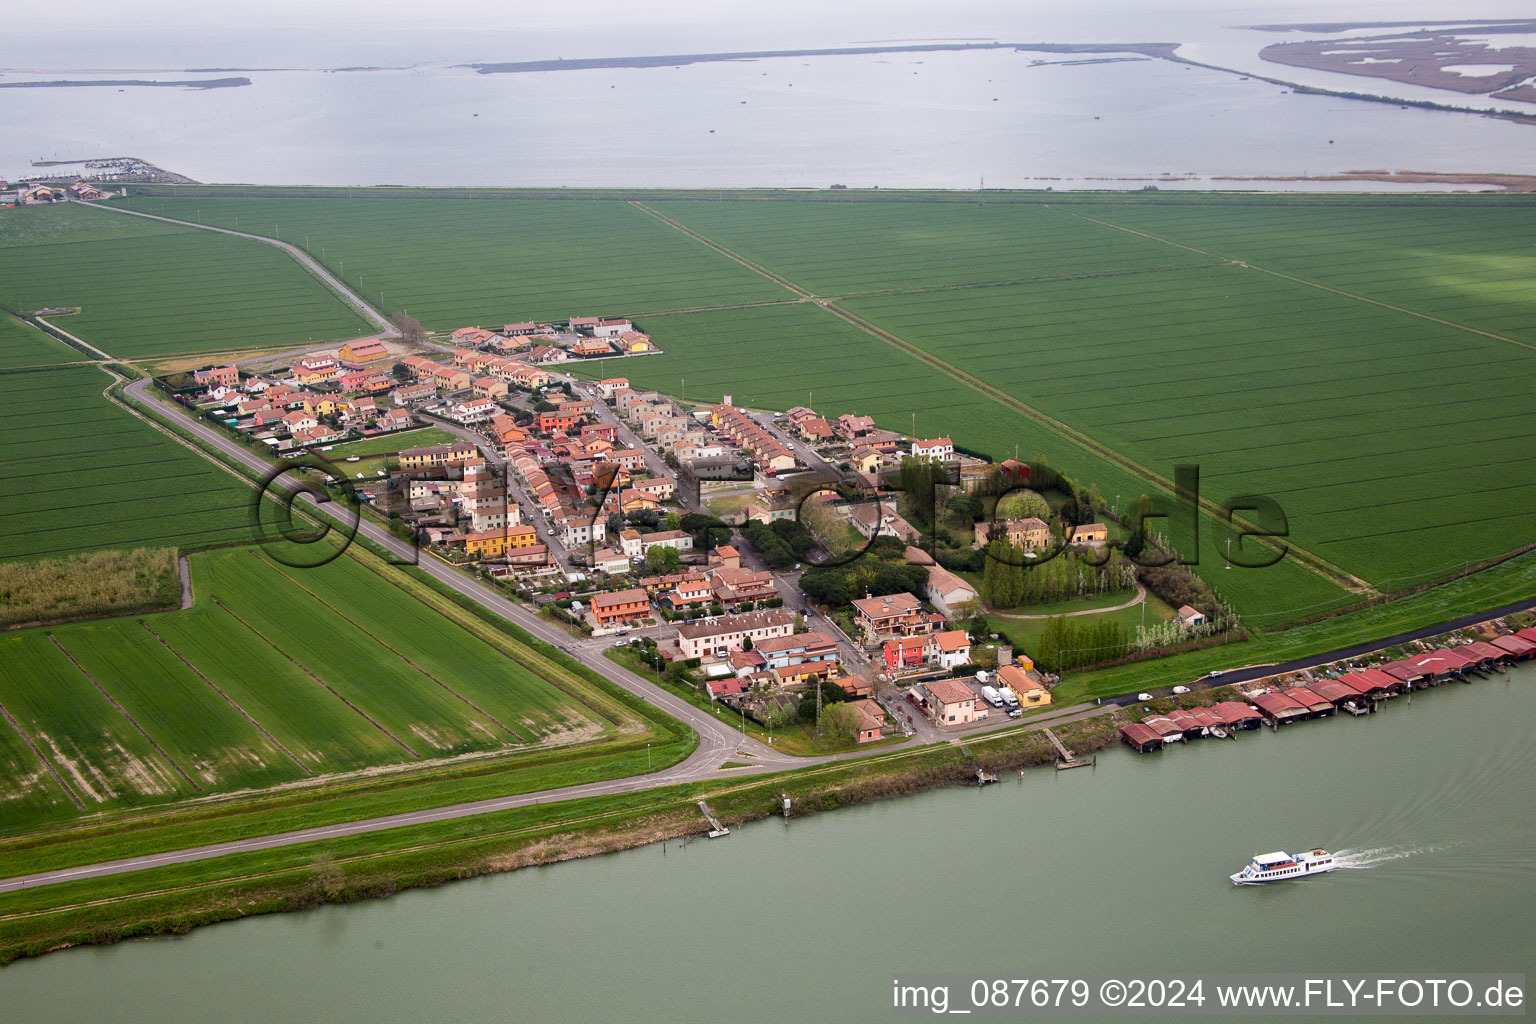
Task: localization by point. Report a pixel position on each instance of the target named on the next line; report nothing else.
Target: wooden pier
(1066, 758)
(716, 829)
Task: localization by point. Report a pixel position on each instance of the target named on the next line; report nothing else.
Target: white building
(939, 449)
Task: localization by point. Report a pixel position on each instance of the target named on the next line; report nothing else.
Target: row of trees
(1008, 580)
(1074, 642)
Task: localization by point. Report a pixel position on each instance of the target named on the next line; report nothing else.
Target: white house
(951, 595)
(939, 449)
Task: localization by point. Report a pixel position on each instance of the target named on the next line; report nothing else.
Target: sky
(171, 34)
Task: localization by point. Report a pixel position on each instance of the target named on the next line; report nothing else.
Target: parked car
(1180, 689)
(1143, 696)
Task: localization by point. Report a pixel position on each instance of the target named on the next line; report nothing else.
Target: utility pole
(981, 192)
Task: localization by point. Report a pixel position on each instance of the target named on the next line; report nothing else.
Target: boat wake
(1356, 860)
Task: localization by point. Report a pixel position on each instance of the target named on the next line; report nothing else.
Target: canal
(1119, 868)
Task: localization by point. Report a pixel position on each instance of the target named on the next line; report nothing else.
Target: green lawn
(389, 444)
(1024, 634)
(157, 289)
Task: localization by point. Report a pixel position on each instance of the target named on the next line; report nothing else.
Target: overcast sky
(501, 15)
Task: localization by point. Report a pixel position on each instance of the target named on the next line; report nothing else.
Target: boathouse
(1316, 704)
(1236, 715)
(1334, 692)
(1279, 709)
(1519, 648)
(1140, 738)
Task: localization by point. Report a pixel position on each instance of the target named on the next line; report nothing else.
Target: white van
(1180, 689)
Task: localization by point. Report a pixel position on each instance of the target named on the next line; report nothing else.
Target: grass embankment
(176, 899)
(88, 586)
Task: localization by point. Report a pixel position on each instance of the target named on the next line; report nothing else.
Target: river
(1119, 868)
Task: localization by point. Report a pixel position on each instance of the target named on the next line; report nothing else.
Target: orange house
(621, 606)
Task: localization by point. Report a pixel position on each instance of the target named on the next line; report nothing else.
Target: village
(679, 531)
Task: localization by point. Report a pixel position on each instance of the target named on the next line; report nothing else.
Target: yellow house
(1026, 686)
(1029, 534)
(363, 350)
(320, 405)
(1090, 533)
(493, 543)
(865, 460)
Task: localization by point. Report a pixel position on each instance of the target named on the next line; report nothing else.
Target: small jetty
(1067, 759)
(716, 830)
(982, 775)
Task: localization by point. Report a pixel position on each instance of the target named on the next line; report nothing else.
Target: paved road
(386, 329)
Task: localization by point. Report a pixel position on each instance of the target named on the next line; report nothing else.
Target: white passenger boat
(1279, 866)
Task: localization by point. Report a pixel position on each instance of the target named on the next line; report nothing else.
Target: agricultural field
(1465, 262)
(843, 249)
(275, 675)
(455, 262)
(146, 288)
(81, 473)
(22, 345)
(1395, 451)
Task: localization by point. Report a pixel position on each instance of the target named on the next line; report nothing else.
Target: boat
(1279, 866)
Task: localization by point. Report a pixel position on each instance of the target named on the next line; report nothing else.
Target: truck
(1008, 697)
(991, 696)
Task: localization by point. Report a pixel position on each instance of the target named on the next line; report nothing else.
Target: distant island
(65, 83)
(679, 59)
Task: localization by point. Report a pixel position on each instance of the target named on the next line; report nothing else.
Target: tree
(1022, 505)
(615, 524)
(663, 558)
(409, 327)
(673, 521)
(840, 721)
(746, 643)
(401, 372)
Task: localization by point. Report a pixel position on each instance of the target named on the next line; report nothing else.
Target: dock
(1066, 758)
(982, 776)
(716, 829)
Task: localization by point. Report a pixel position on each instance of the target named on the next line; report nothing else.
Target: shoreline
(670, 813)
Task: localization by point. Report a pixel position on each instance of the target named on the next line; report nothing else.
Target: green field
(82, 473)
(148, 288)
(273, 676)
(452, 262)
(21, 344)
(1370, 427)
